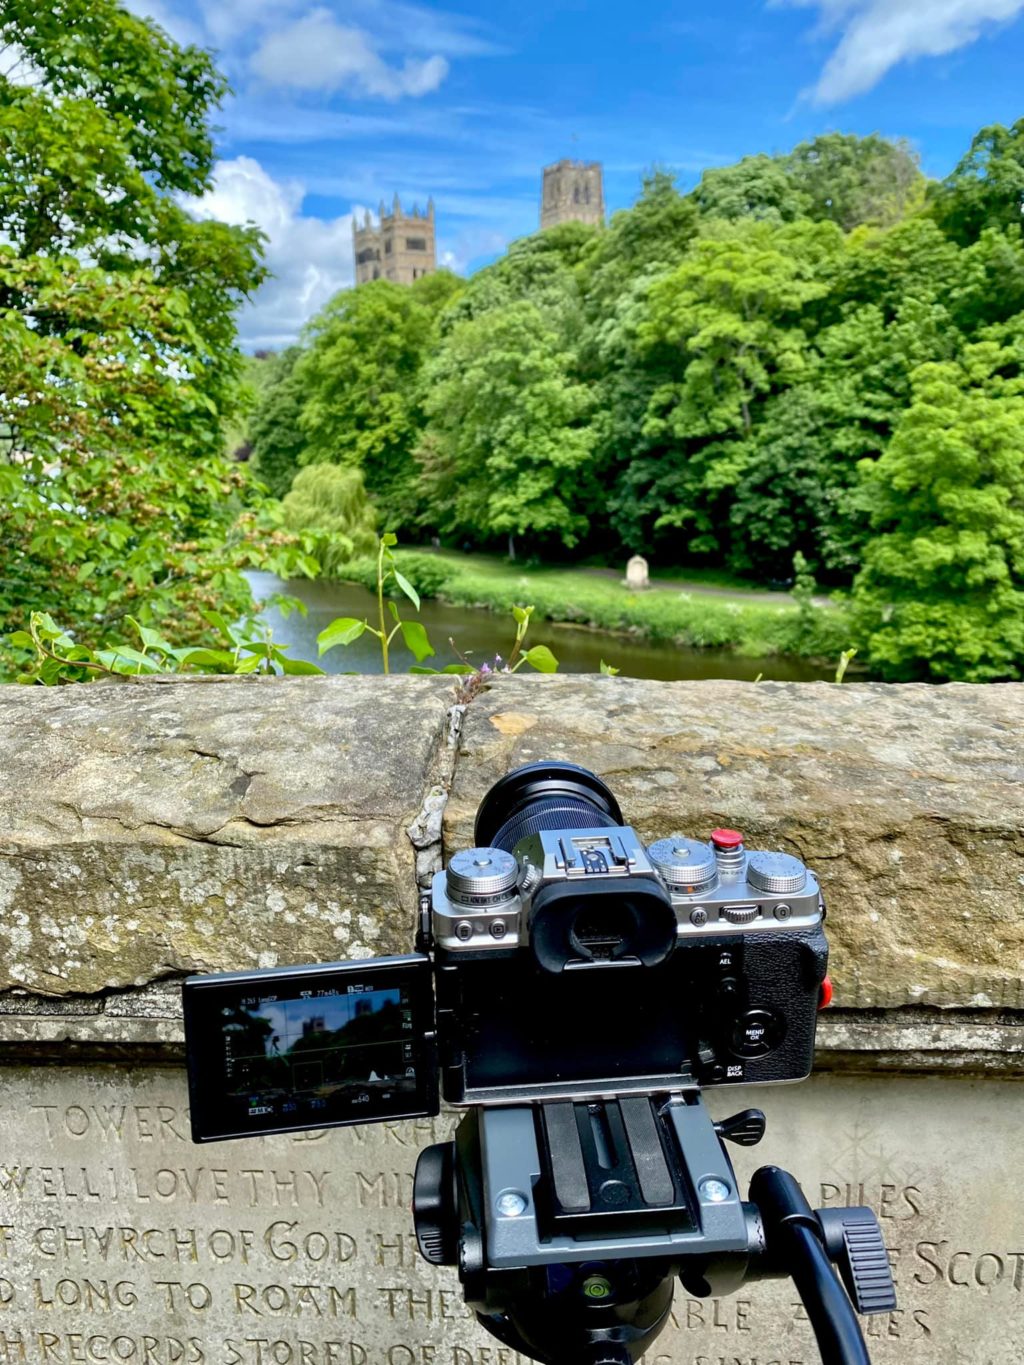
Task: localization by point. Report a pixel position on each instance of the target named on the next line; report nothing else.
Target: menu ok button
(756, 1033)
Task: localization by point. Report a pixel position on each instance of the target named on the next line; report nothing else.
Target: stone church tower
(572, 191)
(399, 246)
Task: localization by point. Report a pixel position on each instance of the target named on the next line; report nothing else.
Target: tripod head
(570, 1221)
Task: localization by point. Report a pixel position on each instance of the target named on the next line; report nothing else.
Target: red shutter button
(825, 996)
(726, 838)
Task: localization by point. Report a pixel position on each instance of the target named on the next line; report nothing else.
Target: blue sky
(340, 103)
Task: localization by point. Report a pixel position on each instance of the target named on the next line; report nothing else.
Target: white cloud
(876, 35)
(317, 53)
(310, 258)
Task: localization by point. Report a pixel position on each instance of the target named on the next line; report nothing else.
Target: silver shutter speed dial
(777, 874)
(481, 876)
(684, 862)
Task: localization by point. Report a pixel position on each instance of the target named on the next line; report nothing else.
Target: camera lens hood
(550, 795)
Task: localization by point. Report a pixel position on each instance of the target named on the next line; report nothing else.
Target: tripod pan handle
(795, 1246)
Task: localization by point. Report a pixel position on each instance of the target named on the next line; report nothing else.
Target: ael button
(726, 839)
(825, 994)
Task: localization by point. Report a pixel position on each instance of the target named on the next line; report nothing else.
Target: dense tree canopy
(118, 364)
(807, 358)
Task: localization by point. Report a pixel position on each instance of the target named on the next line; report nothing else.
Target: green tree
(508, 444)
(329, 502)
(651, 236)
(118, 363)
(851, 180)
(797, 476)
(726, 328)
(986, 190)
(837, 178)
(941, 592)
(734, 309)
(359, 378)
(757, 187)
(275, 434)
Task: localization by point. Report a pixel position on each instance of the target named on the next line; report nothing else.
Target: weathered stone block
(153, 829)
(908, 801)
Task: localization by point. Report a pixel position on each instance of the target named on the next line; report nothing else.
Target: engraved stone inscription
(121, 1243)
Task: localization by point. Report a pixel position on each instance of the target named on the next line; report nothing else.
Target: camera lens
(543, 796)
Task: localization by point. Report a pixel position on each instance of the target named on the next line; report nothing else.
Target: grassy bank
(573, 595)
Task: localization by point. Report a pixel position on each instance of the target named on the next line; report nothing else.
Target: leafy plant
(248, 647)
(347, 629)
(844, 663)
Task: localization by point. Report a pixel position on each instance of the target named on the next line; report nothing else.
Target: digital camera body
(560, 959)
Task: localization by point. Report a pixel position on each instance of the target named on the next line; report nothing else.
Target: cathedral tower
(400, 246)
(572, 191)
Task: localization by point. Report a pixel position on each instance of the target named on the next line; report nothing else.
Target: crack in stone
(425, 832)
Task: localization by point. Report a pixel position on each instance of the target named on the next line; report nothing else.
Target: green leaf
(300, 667)
(150, 638)
(408, 589)
(341, 632)
(608, 670)
(216, 619)
(43, 624)
(21, 637)
(389, 538)
(393, 609)
(222, 658)
(415, 638)
(124, 659)
(249, 664)
(541, 658)
(521, 615)
(434, 672)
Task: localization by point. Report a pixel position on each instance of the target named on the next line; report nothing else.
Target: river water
(480, 635)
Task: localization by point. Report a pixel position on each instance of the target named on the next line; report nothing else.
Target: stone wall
(149, 830)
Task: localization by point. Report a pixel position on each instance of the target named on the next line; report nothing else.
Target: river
(479, 635)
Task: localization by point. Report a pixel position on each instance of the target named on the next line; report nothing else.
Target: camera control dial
(481, 876)
(683, 863)
(779, 874)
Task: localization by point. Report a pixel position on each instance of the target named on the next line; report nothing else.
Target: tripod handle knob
(853, 1240)
(435, 1205)
(746, 1128)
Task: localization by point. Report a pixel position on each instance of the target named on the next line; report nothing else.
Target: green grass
(702, 622)
(704, 577)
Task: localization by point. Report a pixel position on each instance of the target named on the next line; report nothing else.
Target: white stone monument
(637, 576)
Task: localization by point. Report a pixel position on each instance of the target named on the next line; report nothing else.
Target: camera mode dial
(481, 876)
(779, 874)
(685, 864)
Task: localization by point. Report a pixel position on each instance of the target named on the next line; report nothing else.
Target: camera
(562, 959)
(575, 991)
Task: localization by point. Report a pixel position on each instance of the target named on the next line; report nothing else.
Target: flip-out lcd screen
(310, 1047)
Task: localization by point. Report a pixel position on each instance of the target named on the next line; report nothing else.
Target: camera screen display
(310, 1047)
